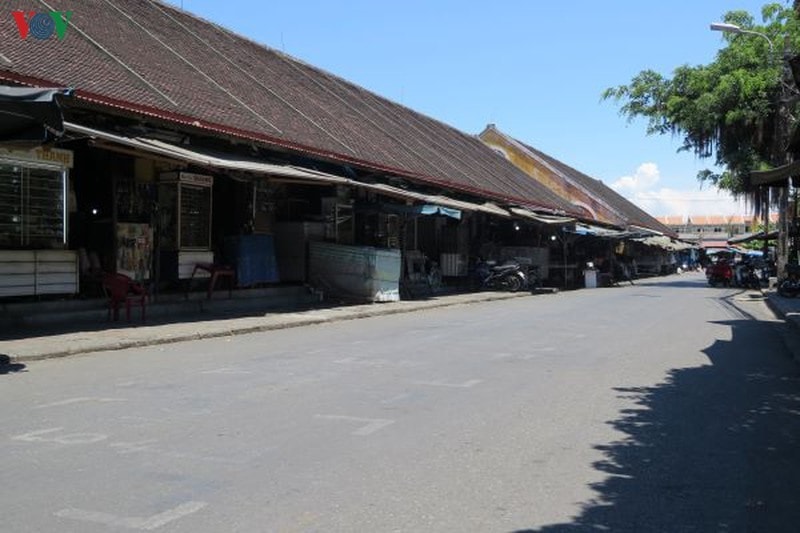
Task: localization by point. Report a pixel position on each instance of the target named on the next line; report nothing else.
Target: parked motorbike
(749, 277)
(509, 276)
(789, 287)
(719, 273)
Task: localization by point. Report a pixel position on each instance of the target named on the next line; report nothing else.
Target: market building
(188, 151)
(612, 232)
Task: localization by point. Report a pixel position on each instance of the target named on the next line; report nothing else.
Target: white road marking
(80, 438)
(156, 521)
(79, 400)
(375, 362)
(36, 436)
(371, 424)
(227, 370)
(465, 385)
(522, 357)
(144, 524)
(72, 438)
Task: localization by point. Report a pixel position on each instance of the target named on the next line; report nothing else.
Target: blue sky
(534, 68)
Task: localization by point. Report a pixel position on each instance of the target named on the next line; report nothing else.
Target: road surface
(664, 406)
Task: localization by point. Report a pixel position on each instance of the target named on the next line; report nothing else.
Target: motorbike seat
(505, 268)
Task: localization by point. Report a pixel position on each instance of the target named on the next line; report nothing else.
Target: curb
(789, 330)
(285, 320)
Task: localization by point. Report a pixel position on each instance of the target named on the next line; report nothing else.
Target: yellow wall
(547, 177)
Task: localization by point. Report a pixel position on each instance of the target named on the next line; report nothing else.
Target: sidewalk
(40, 346)
(787, 309)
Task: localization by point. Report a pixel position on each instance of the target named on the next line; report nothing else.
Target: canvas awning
(598, 231)
(205, 159)
(544, 219)
(665, 243)
(775, 176)
(422, 209)
(757, 236)
(30, 116)
(208, 159)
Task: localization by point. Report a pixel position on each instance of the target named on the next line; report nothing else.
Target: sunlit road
(665, 406)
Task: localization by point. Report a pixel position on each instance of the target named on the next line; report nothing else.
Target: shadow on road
(7, 367)
(714, 448)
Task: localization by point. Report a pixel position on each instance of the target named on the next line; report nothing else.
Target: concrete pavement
(787, 309)
(41, 345)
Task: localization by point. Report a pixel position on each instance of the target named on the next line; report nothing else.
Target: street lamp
(733, 28)
(778, 152)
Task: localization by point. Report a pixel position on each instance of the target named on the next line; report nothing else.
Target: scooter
(508, 276)
(719, 273)
(749, 277)
(789, 287)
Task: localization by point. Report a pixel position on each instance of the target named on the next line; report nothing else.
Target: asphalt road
(665, 406)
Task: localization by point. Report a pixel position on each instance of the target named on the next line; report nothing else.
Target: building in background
(712, 231)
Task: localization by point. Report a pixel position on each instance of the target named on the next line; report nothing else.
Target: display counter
(38, 272)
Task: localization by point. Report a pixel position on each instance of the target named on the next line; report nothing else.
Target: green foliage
(726, 109)
(757, 244)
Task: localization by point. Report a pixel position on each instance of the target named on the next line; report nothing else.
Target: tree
(727, 109)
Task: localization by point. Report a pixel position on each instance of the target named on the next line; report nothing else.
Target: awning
(422, 209)
(433, 199)
(665, 243)
(598, 231)
(757, 236)
(30, 117)
(713, 244)
(775, 176)
(206, 159)
(644, 231)
(203, 158)
(544, 219)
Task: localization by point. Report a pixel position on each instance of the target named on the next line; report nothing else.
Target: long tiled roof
(627, 213)
(152, 58)
(627, 209)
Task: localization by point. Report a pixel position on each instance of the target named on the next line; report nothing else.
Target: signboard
(41, 154)
(189, 178)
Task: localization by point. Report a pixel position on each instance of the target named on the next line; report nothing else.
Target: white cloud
(645, 177)
(659, 201)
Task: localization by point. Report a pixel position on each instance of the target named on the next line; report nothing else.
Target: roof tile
(153, 55)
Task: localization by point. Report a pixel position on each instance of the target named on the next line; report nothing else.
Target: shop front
(34, 207)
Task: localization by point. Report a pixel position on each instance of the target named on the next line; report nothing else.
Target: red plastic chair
(122, 290)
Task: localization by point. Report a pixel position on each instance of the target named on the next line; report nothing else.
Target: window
(32, 205)
(195, 230)
(185, 211)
